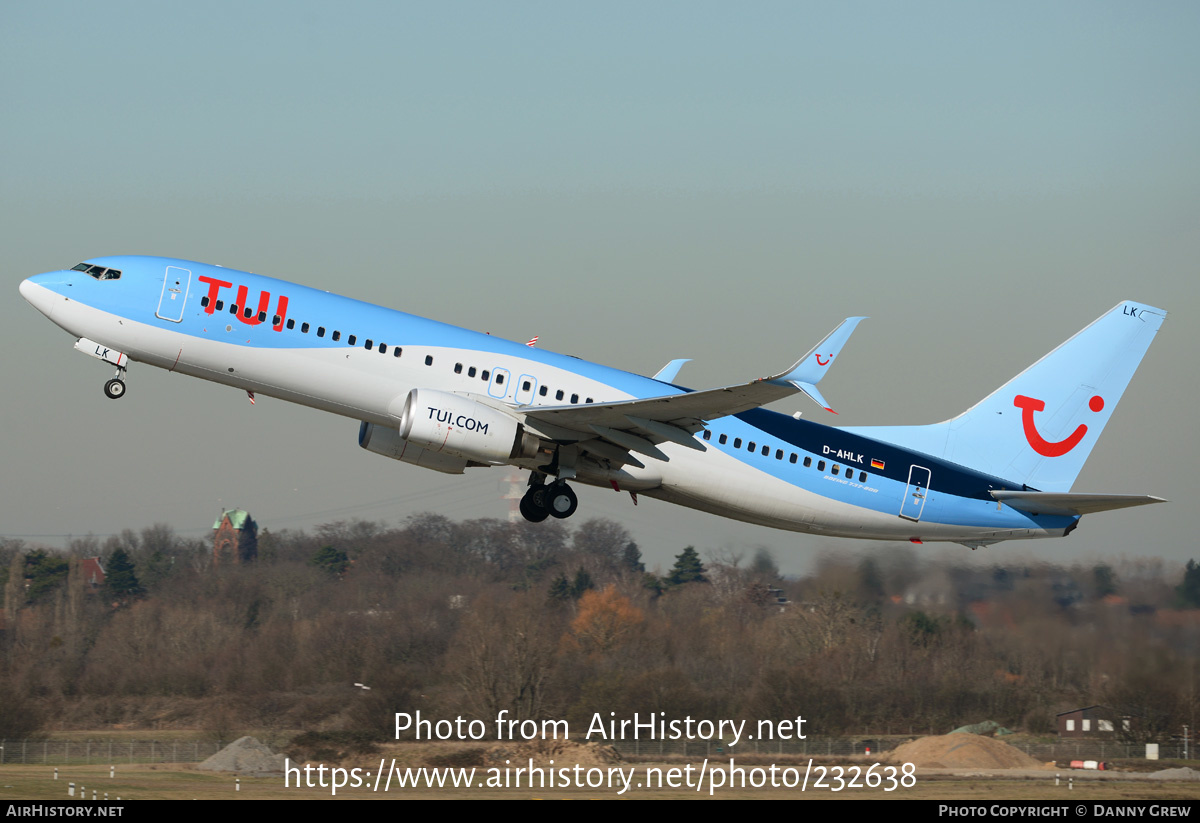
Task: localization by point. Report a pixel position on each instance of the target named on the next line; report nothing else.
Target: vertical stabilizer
(1040, 427)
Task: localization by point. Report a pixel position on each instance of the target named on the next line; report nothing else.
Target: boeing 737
(449, 399)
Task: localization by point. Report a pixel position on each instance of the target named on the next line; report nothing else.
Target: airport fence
(845, 747)
(128, 750)
(103, 752)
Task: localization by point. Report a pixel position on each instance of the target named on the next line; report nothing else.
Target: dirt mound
(963, 751)
(562, 752)
(245, 756)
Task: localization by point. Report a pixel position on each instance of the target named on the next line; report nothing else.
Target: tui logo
(1029, 405)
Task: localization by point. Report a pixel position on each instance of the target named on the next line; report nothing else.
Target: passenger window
(350, 340)
(820, 465)
(707, 434)
(589, 400)
(834, 468)
(766, 451)
(458, 368)
(368, 344)
(807, 462)
(543, 391)
(320, 331)
(262, 318)
(723, 439)
(779, 454)
(526, 386)
(233, 308)
(383, 348)
(558, 395)
(751, 446)
(862, 477)
(499, 379)
(220, 305)
(485, 375)
(337, 335)
(574, 399)
(471, 372)
(204, 301)
(303, 328)
(429, 360)
(396, 352)
(792, 457)
(291, 324)
(737, 442)
(249, 312)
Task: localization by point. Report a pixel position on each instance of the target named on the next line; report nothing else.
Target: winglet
(810, 368)
(667, 373)
(811, 391)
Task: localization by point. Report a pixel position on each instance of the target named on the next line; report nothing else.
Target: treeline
(471, 618)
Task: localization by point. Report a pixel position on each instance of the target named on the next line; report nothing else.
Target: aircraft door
(523, 392)
(174, 294)
(915, 493)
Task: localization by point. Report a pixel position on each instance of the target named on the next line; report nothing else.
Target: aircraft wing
(638, 425)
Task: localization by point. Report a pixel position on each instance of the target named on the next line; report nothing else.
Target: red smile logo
(826, 362)
(1042, 446)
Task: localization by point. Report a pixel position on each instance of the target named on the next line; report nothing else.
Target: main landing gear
(544, 500)
(115, 389)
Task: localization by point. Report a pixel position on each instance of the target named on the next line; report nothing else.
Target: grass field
(186, 783)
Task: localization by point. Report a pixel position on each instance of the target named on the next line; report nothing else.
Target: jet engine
(389, 443)
(453, 424)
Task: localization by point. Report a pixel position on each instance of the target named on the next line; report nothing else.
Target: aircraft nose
(37, 294)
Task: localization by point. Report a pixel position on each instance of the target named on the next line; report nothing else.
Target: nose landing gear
(114, 389)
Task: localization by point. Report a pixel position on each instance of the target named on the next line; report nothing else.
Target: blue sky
(633, 182)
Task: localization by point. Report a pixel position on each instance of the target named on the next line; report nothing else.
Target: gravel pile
(245, 756)
(963, 751)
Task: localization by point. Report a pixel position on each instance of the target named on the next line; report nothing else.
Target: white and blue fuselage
(377, 365)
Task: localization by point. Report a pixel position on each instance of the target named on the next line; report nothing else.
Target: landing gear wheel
(533, 505)
(561, 501)
(115, 388)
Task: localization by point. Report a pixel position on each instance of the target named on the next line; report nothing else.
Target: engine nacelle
(389, 443)
(452, 424)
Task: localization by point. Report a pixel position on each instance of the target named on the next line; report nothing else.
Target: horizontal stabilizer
(1071, 504)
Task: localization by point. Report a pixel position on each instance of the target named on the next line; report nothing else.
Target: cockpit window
(98, 272)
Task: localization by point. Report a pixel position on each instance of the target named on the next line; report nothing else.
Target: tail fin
(1040, 427)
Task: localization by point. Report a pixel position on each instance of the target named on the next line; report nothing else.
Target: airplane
(450, 399)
